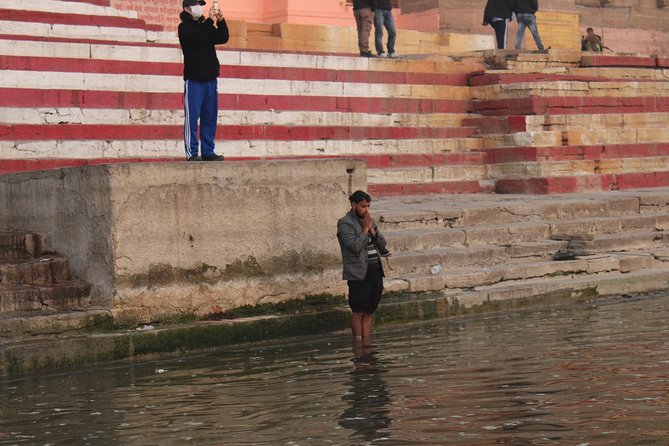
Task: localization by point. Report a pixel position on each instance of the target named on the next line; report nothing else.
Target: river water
(587, 375)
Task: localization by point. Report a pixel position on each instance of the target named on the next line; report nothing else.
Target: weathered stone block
(137, 230)
(472, 278)
(493, 235)
(635, 262)
(424, 282)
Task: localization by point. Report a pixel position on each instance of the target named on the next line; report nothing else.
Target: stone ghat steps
(507, 245)
(23, 324)
(560, 211)
(111, 28)
(74, 7)
(517, 251)
(31, 279)
(638, 228)
(272, 105)
(520, 279)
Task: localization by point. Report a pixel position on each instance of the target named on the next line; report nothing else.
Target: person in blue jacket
(198, 37)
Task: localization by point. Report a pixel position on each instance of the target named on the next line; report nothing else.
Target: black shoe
(194, 158)
(213, 157)
(366, 54)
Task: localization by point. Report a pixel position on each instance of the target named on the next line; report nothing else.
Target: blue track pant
(200, 104)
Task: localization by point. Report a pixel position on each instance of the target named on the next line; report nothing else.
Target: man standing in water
(361, 246)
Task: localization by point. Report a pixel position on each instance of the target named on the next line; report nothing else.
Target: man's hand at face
(368, 224)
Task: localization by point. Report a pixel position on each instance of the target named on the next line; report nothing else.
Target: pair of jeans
(363, 22)
(384, 18)
(200, 106)
(527, 21)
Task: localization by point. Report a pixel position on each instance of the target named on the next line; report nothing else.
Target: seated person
(592, 41)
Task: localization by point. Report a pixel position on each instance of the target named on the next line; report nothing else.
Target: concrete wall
(166, 239)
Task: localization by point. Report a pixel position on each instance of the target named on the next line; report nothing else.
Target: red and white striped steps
(395, 111)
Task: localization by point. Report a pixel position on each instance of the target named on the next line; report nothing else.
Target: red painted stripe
(10, 97)
(443, 187)
(478, 80)
(28, 165)
(92, 41)
(28, 63)
(27, 16)
(583, 183)
(51, 64)
(227, 132)
(570, 105)
(569, 153)
(94, 2)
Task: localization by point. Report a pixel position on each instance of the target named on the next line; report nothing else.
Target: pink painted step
(565, 153)
(583, 183)
(570, 105)
(68, 65)
(437, 187)
(10, 97)
(226, 132)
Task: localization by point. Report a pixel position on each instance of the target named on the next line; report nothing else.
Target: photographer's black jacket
(360, 4)
(497, 8)
(384, 4)
(197, 39)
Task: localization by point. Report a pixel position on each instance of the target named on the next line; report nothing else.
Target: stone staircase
(598, 123)
(34, 280)
(491, 248)
(528, 123)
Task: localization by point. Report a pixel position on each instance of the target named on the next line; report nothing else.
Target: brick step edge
(15, 244)
(45, 270)
(60, 297)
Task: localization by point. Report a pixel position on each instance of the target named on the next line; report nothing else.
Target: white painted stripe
(186, 121)
(94, 116)
(463, 172)
(49, 80)
(77, 32)
(65, 7)
(263, 148)
(227, 57)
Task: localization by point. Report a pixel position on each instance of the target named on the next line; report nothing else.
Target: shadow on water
(367, 414)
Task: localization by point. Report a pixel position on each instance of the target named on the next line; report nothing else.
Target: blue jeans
(200, 106)
(529, 21)
(384, 18)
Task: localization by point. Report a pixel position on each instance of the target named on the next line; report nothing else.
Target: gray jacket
(353, 244)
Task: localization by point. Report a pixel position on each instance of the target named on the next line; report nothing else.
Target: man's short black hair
(590, 29)
(358, 196)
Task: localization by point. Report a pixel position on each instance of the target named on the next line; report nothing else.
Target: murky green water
(582, 376)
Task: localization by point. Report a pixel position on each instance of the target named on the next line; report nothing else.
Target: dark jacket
(362, 4)
(197, 39)
(525, 6)
(496, 8)
(384, 4)
(353, 245)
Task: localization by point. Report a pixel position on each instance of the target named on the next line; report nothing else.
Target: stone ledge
(56, 353)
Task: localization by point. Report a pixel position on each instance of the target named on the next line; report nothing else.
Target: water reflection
(367, 414)
(571, 376)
